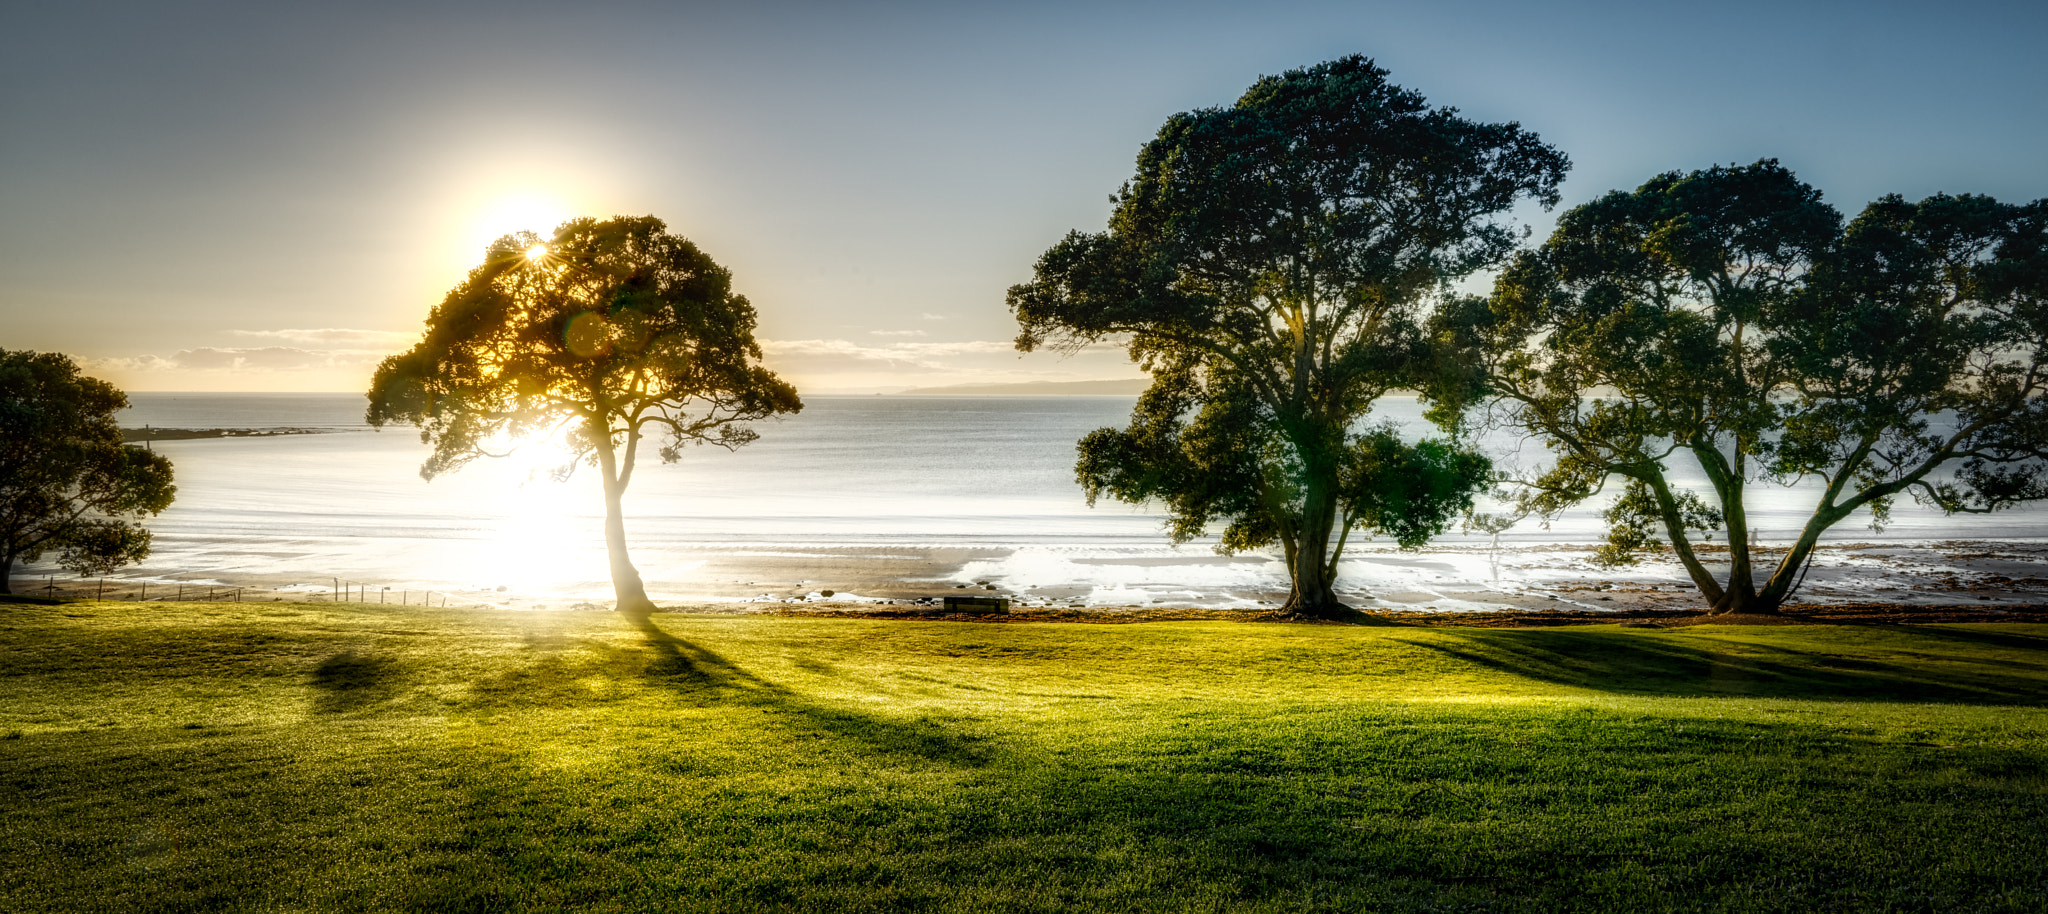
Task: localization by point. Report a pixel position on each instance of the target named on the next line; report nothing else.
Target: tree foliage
(1269, 264)
(68, 485)
(607, 333)
(1729, 319)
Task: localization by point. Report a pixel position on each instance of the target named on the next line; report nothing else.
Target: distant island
(1127, 387)
(187, 434)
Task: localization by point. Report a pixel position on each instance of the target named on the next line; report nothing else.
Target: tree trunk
(1313, 596)
(1740, 596)
(626, 586)
(1674, 527)
(1779, 588)
(6, 574)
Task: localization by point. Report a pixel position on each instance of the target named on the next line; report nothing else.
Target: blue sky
(271, 196)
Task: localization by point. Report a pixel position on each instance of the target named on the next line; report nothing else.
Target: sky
(272, 196)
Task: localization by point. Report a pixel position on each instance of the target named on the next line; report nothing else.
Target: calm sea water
(864, 473)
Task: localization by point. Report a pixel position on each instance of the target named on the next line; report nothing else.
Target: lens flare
(588, 335)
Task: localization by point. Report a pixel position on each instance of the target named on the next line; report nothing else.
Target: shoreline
(1954, 613)
(1450, 579)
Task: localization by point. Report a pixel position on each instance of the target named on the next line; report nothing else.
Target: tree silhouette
(1268, 264)
(1727, 317)
(67, 482)
(609, 331)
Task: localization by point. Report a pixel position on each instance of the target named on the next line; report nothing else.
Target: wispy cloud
(932, 317)
(814, 365)
(305, 358)
(829, 365)
(906, 353)
(265, 358)
(897, 333)
(337, 336)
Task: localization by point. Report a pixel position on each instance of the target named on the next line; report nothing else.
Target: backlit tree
(608, 332)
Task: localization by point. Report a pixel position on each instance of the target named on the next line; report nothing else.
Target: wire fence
(161, 590)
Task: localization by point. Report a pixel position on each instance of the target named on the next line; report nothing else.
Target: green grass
(174, 757)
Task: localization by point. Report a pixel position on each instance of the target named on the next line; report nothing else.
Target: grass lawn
(173, 757)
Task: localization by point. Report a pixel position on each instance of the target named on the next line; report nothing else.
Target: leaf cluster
(606, 330)
(68, 483)
(1270, 264)
(1731, 315)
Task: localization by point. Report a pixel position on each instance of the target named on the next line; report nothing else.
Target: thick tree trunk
(1745, 602)
(1313, 595)
(626, 586)
(1740, 595)
(6, 574)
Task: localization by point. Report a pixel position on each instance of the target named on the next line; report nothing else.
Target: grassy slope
(193, 756)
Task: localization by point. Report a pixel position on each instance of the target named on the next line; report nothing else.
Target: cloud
(834, 365)
(307, 358)
(814, 365)
(932, 317)
(272, 368)
(338, 336)
(266, 358)
(896, 333)
(925, 355)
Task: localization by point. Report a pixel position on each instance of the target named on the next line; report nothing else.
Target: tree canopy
(68, 484)
(1727, 317)
(1269, 264)
(607, 332)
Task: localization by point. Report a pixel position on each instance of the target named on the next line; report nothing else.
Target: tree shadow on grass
(349, 681)
(1636, 664)
(2008, 640)
(699, 673)
(1297, 816)
(491, 854)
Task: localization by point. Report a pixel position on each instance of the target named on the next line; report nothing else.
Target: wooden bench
(977, 604)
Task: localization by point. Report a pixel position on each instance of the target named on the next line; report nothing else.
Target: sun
(517, 211)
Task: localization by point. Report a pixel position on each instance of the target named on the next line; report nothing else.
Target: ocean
(872, 493)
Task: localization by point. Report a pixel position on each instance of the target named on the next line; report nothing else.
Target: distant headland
(187, 434)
